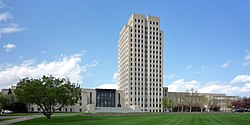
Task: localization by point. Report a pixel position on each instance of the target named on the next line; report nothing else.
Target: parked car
(7, 112)
(239, 110)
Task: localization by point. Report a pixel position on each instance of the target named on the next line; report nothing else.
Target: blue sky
(207, 43)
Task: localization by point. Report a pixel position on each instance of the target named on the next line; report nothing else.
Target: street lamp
(110, 102)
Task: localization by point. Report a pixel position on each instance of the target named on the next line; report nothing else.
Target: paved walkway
(17, 119)
(24, 118)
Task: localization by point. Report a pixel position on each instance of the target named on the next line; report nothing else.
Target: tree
(246, 102)
(166, 103)
(241, 103)
(9, 92)
(190, 97)
(229, 106)
(213, 104)
(49, 93)
(5, 100)
(200, 101)
(179, 100)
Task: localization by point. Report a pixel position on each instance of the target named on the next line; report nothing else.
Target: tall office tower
(140, 63)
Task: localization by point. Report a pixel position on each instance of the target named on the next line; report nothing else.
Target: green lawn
(149, 119)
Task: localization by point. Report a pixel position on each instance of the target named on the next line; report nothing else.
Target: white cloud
(189, 66)
(9, 47)
(115, 76)
(5, 16)
(211, 87)
(11, 28)
(171, 76)
(247, 59)
(108, 86)
(241, 79)
(66, 66)
(181, 85)
(8, 25)
(43, 52)
(2, 5)
(226, 64)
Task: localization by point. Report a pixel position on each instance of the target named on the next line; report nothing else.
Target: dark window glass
(105, 98)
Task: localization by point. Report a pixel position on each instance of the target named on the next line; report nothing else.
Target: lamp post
(110, 102)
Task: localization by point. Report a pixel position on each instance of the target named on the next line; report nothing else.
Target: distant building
(140, 63)
(9, 90)
(94, 100)
(220, 100)
(111, 100)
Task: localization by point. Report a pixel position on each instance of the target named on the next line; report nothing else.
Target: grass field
(152, 119)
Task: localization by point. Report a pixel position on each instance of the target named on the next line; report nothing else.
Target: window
(90, 100)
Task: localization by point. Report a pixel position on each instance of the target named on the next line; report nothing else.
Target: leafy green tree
(5, 100)
(166, 103)
(49, 93)
(229, 106)
(2, 100)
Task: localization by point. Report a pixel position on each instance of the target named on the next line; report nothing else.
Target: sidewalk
(18, 119)
(24, 118)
